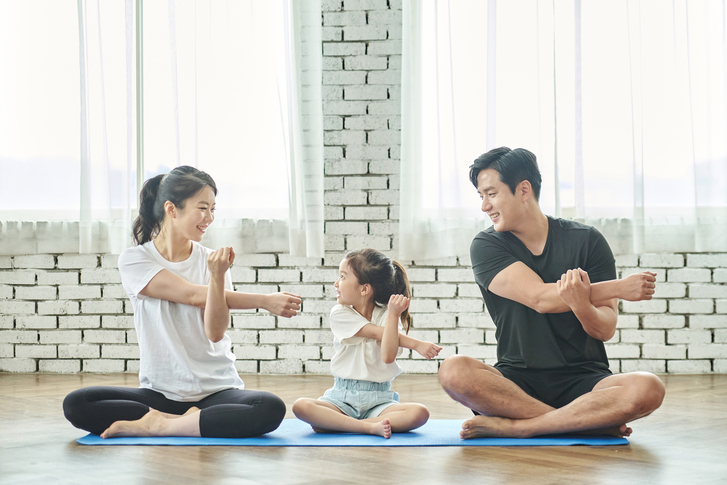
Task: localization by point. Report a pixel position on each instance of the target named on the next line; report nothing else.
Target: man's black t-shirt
(526, 338)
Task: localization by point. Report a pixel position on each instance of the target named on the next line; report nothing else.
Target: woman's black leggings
(232, 413)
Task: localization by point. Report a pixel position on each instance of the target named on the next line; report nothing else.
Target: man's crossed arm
(595, 304)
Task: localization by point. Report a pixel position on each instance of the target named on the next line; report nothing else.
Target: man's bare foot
(151, 424)
(622, 431)
(488, 427)
(382, 428)
(496, 427)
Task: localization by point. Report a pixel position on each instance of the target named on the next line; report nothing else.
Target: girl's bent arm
(390, 339)
(426, 349)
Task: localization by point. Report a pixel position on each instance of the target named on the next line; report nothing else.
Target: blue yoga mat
(293, 432)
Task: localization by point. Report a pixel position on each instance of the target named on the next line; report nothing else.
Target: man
(550, 286)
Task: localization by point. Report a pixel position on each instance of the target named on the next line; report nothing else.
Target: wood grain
(685, 441)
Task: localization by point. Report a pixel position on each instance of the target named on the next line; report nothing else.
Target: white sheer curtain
(223, 86)
(623, 102)
(233, 88)
(305, 134)
(39, 126)
(108, 161)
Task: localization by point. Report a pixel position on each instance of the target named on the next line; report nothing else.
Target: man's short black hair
(514, 166)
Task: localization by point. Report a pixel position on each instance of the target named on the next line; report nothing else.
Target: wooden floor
(684, 442)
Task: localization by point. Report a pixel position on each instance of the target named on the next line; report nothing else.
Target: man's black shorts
(555, 387)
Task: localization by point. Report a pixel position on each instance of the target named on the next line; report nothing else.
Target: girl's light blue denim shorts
(360, 399)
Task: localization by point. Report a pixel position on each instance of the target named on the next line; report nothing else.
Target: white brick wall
(56, 319)
(67, 313)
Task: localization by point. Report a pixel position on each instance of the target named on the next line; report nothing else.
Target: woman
(182, 296)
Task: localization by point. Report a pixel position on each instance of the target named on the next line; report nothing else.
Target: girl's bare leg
(404, 417)
(325, 417)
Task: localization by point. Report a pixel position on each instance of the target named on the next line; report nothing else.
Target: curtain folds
(107, 125)
(232, 88)
(435, 219)
(305, 136)
(623, 102)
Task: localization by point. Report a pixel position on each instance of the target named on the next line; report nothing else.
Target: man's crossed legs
(508, 411)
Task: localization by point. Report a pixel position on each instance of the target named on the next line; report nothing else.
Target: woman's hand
(397, 304)
(216, 311)
(283, 304)
(218, 262)
(427, 350)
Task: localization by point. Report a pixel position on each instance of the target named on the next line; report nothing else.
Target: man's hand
(638, 286)
(574, 288)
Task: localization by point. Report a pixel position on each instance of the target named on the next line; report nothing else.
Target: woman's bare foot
(382, 428)
(323, 431)
(191, 410)
(151, 424)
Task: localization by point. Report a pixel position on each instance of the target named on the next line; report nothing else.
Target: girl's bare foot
(151, 424)
(382, 428)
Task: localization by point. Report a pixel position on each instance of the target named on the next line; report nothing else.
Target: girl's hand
(283, 304)
(428, 350)
(397, 304)
(220, 261)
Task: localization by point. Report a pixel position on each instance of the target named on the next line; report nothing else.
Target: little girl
(373, 300)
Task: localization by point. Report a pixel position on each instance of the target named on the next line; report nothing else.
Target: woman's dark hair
(514, 166)
(385, 276)
(176, 187)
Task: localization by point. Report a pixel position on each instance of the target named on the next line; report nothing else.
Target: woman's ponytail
(402, 287)
(148, 222)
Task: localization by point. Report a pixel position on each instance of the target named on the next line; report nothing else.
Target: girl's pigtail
(148, 223)
(402, 287)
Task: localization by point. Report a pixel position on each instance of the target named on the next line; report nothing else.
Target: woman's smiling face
(198, 213)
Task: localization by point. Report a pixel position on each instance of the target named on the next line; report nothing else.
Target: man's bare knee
(653, 393)
(457, 372)
(453, 372)
(647, 393)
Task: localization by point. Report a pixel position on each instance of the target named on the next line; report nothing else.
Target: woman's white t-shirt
(177, 358)
(359, 357)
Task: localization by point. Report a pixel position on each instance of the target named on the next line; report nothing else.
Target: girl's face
(198, 213)
(348, 289)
